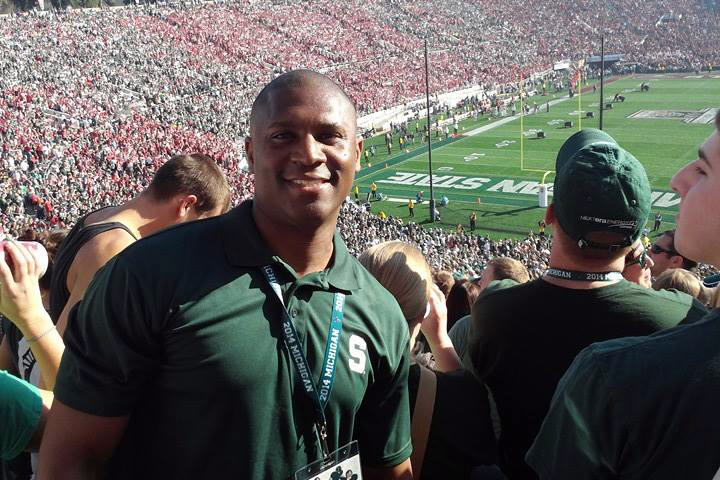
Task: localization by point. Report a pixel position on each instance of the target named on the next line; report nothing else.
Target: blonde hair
(679, 279)
(707, 295)
(444, 280)
(715, 300)
(403, 271)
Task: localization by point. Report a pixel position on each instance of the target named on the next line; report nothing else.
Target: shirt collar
(239, 225)
(343, 272)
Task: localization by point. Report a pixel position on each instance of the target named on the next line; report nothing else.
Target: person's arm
(89, 259)
(383, 420)
(76, 445)
(434, 327)
(402, 471)
(47, 399)
(21, 303)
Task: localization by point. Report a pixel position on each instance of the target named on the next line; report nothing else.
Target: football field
(494, 166)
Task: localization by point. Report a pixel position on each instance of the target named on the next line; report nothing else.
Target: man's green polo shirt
(181, 331)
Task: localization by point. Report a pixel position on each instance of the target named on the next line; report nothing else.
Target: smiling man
(647, 407)
(246, 346)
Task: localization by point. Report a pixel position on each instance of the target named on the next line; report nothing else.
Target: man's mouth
(307, 181)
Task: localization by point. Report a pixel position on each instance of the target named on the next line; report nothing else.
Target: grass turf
(485, 172)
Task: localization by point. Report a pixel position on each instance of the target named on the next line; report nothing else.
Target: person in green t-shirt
(647, 407)
(21, 408)
(522, 339)
(180, 361)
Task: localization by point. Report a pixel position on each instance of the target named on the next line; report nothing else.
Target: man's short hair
(504, 268)
(717, 120)
(687, 263)
(601, 196)
(194, 174)
(294, 79)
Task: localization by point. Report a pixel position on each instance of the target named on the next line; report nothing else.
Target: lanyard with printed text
(319, 394)
(583, 276)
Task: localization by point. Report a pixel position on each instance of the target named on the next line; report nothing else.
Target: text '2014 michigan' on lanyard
(320, 394)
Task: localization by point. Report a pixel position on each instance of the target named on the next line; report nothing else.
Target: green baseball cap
(599, 187)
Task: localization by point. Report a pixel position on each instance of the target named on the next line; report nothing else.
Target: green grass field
(495, 173)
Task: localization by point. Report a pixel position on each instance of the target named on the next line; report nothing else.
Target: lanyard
(319, 394)
(583, 276)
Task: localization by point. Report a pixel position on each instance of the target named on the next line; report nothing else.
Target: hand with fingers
(21, 303)
(20, 299)
(434, 327)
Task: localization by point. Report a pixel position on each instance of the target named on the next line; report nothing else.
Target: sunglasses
(656, 249)
(642, 260)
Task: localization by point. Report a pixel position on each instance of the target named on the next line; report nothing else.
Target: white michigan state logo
(358, 357)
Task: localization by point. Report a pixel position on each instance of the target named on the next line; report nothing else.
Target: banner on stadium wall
(615, 57)
(562, 65)
(463, 183)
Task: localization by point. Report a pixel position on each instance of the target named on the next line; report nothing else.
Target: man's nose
(308, 150)
(679, 181)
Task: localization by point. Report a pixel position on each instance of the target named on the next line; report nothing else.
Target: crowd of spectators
(463, 254)
(91, 102)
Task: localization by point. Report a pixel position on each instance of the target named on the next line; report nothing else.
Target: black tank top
(78, 236)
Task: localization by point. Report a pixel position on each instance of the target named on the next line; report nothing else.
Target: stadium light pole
(427, 105)
(602, 78)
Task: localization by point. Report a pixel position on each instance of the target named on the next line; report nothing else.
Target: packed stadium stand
(92, 101)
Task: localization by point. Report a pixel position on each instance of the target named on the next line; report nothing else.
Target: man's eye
(329, 136)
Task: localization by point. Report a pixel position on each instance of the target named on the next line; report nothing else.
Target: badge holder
(342, 464)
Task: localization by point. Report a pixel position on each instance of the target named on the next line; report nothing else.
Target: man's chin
(315, 213)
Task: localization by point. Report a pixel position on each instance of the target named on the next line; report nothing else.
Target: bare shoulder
(100, 249)
(101, 216)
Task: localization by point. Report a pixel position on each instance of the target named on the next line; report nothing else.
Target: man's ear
(186, 206)
(550, 214)
(359, 152)
(249, 154)
(676, 261)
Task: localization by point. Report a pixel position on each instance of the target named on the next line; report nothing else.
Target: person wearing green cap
(523, 338)
(647, 407)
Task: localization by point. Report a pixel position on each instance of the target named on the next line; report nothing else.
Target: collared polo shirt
(182, 332)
